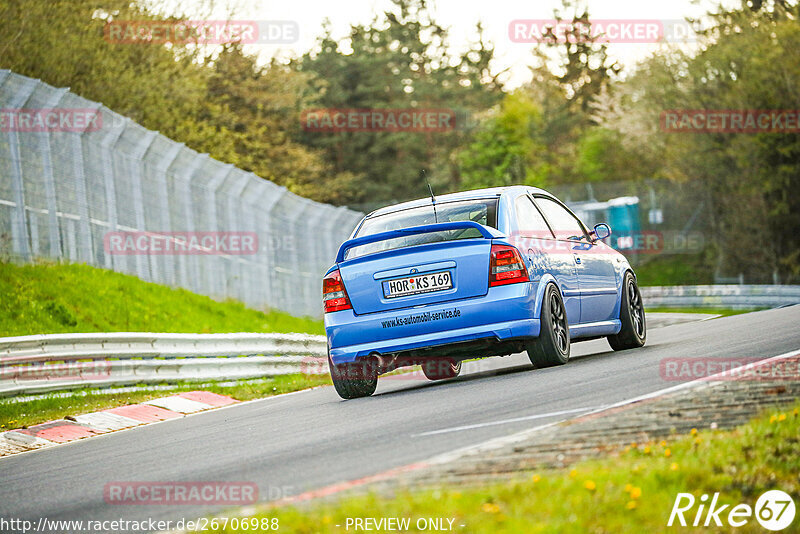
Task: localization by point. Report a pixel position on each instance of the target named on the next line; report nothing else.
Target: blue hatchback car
(481, 273)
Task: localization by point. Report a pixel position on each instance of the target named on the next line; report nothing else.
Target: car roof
(475, 194)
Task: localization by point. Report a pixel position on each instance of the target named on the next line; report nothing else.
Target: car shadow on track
(423, 383)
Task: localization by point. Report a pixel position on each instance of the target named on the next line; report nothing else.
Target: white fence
(721, 296)
(36, 364)
(64, 190)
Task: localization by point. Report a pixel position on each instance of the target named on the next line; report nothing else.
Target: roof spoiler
(486, 232)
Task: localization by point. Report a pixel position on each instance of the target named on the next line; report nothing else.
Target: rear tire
(354, 380)
(441, 369)
(552, 346)
(631, 313)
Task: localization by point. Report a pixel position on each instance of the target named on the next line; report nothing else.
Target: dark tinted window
(483, 211)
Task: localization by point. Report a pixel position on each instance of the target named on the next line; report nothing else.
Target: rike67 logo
(774, 510)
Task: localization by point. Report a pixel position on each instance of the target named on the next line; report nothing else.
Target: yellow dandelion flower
(636, 492)
(590, 485)
(573, 473)
(490, 508)
(663, 443)
(647, 450)
(782, 417)
(773, 418)
(633, 445)
(631, 505)
(536, 478)
(628, 488)
(674, 466)
(667, 453)
(693, 432)
(698, 441)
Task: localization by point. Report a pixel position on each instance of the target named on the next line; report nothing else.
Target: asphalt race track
(303, 441)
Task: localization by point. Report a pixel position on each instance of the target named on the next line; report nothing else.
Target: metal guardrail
(53, 362)
(42, 363)
(721, 296)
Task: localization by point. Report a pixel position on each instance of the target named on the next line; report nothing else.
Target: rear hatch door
(451, 262)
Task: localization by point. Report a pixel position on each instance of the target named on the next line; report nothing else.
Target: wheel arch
(546, 280)
(621, 288)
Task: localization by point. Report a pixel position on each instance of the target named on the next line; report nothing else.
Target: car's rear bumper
(505, 312)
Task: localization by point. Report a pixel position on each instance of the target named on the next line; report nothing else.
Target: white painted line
(494, 443)
(504, 441)
(512, 438)
(106, 422)
(506, 421)
(179, 404)
(699, 381)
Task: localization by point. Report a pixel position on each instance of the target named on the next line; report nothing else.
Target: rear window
(483, 211)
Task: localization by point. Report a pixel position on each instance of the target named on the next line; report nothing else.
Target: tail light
(507, 266)
(334, 297)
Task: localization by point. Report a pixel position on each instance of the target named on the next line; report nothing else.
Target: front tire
(552, 347)
(441, 369)
(631, 314)
(354, 380)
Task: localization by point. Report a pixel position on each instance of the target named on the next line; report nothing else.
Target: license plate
(420, 283)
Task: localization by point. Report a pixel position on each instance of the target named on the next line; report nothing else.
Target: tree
(400, 60)
(748, 61)
(61, 42)
(505, 151)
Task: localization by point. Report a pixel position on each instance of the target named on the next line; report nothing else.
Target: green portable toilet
(623, 218)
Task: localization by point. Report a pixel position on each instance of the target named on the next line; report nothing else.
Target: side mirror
(601, 231)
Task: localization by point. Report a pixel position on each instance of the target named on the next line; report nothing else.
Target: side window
(529, 220)
(564, 224)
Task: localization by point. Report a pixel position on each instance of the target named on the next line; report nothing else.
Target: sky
(460, 17)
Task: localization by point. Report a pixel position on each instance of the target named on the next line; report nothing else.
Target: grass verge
(51, 407)
(633, 493)
(52, 298)
(673, 270)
